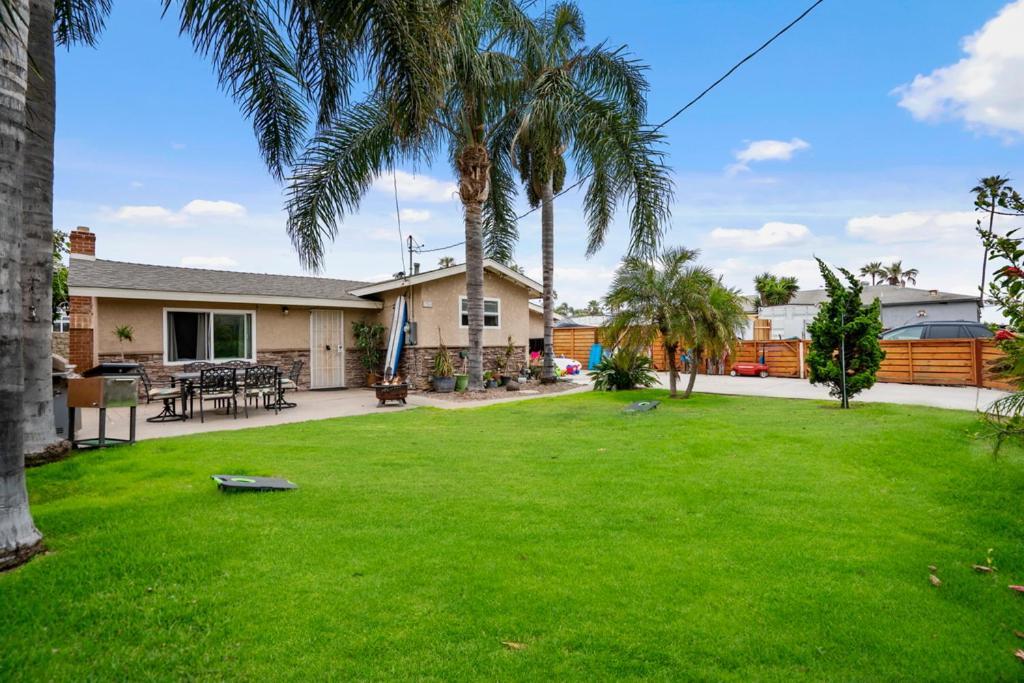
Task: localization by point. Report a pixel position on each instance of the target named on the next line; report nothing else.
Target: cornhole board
(640, 406)
(243, 482)
(396, 338)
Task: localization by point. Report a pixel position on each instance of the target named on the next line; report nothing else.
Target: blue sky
(824, 144)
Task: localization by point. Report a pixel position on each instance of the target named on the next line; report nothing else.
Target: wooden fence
(956, 362)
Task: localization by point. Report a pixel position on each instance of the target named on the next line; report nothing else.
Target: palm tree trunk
(672, 354)
(37, 247)
(547, 239)
(984, 260)
(19, 539)
(695, 359)
(474, 166)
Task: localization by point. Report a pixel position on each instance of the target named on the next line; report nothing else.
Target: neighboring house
(537, 327)
(180, 315)
(900, 306)
(584, 321)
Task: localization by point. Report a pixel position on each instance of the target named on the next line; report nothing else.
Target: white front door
(326, 349)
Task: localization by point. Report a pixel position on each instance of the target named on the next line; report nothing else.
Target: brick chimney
(83, 242)
(81, 309)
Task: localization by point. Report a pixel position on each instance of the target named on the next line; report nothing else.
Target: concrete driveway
(957, 398)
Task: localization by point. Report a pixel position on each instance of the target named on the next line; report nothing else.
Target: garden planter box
(391, 392)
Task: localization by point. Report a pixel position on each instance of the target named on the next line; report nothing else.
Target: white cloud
(986, 87)
(771, 234)
(767, 150)
(136, 183)
(218, 262)
(149, 214)
(414, 215)
(417, 187)
(915, 226)
(206, 207)
(197, 209)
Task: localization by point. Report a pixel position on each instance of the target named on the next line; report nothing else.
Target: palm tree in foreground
(588, 103)
(895, 275)
(480, 89)
(874, 270)
(673, 300)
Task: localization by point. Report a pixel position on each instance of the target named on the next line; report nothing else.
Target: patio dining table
(190, 378)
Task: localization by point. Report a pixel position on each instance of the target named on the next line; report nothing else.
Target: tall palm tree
(895, 275)
(479, 94)
(19, 539)
(993, 195)
(874, 270)
(775, 290)
(659, 298)
(588, 103)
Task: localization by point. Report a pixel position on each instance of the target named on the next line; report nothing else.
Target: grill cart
(108, 385)
(749, 370)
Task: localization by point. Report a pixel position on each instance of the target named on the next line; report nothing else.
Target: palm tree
(480, 89)
(895, 275)
(19, 539)
(445, 262)
(716, 328)
(874, 270)
(993, 195)
(775, 290)
(588, 103)
(659, 298)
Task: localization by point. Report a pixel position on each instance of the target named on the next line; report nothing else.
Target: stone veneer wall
(60, 344)
(155, 368)
(417, 362)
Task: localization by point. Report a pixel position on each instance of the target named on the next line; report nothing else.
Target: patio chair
(218, 385)
(261, 382)
(237, 364)
(292, 380)
(162, 391)
(197, 366)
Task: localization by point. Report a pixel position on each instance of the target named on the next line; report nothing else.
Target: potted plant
(443, 377)
(124, 333)
(369, 343)
(506, 362)
(489, 381)
(462, 379)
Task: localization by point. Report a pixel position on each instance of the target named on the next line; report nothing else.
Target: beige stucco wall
(274, 331)
(434, 306)
(536, 325)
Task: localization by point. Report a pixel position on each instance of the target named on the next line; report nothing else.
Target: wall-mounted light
(284, 310)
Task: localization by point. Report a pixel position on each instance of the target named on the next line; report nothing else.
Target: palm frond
(12, 22)
(77, 21)
(255, 64)
(334, 173)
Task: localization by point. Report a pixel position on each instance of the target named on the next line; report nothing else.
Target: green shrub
(625, 369)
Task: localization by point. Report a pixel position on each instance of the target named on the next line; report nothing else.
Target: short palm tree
(895, 275)
(659, 299)
(589, 104)
(480, 88)
(874, 270)
(775, 290)
(717, 327)
(445, 262)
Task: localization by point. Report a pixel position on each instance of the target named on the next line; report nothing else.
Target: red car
(749, 370)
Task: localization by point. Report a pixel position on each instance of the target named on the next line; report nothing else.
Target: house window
(208, 335)
(492, 312)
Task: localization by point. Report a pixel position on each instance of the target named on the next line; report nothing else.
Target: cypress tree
(845, 329)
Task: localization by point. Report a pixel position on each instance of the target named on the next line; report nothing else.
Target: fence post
(910, 360)
(976, 356)
(800, 358)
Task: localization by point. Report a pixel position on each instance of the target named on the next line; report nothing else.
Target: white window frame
(211, 312)
(486, 326)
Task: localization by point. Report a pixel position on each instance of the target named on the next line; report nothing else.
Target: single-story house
(900, 306)
(180, 315)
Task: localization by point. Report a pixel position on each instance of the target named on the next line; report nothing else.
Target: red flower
(1003, 335)
(1013, 271)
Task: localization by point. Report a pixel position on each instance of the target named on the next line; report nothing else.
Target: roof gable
(534, 287)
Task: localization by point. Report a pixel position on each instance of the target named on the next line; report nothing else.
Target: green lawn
(720, 537)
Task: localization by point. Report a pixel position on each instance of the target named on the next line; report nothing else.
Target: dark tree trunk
(19, 538)
(37, 245)
(695, 359)
(474, 184)
(671, 351)
(547, 232)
